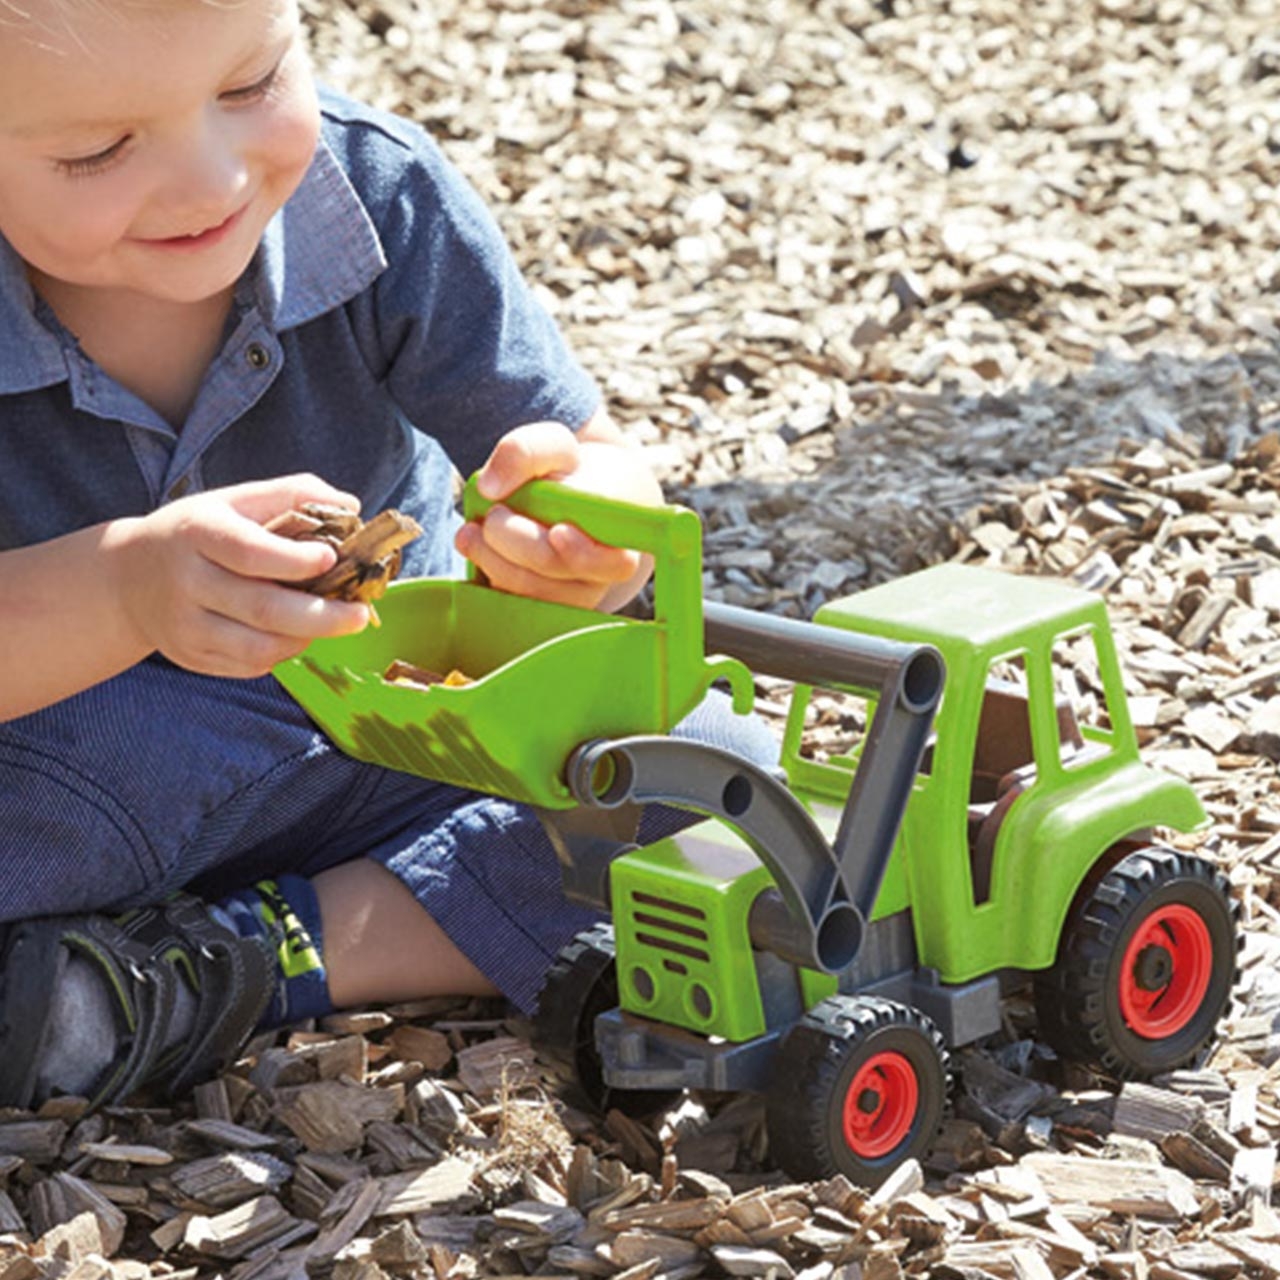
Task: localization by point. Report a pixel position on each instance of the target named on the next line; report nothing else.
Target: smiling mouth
(195, 237)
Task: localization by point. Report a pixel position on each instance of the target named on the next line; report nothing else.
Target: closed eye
(259, 88)
(84, 166)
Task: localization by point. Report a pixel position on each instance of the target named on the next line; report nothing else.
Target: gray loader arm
(816, 916)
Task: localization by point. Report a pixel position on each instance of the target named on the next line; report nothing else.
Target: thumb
(530, 452)
(260, 500)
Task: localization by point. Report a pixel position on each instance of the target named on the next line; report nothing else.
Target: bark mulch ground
(879, 284)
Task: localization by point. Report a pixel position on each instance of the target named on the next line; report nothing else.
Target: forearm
(201, 580)
(65, 628)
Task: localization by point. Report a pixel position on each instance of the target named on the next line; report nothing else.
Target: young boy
(214, 290)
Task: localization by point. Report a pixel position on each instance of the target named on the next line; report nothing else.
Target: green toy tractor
(830, 930)
(1009, 844)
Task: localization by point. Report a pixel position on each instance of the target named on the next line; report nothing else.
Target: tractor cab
(1031, 772)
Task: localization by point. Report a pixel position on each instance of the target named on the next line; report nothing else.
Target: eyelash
(87, 166)
(259, 89)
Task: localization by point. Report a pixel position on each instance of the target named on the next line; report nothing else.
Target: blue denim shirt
(381, 333)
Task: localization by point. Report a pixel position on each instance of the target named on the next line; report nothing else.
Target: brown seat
(1004, 767)
(982, 854)
(982, 834)
(1003, 741)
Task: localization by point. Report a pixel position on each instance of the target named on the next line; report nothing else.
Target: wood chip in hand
(369, 552)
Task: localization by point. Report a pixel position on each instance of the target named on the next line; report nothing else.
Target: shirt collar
(318, 252)
(31, 356)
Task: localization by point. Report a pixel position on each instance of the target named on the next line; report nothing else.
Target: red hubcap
(1165, 973)
(880, 1105)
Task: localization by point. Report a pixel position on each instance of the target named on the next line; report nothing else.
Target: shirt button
(178, 488)
(257, 355)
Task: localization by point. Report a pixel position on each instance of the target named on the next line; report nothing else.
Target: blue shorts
(160, 779)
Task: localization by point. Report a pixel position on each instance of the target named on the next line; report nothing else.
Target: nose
(206, 173)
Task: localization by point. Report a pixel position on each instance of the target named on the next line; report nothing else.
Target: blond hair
(48, 24)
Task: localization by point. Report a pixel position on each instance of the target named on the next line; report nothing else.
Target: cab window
(1084, 719)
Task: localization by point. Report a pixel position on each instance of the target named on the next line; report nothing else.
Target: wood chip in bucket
(415, 677)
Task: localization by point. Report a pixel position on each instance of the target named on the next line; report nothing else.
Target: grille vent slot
(679, 935)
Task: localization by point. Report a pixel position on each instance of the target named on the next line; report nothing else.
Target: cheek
(292, 143)
(65, 221)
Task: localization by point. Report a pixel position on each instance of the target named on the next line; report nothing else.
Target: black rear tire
(860, 1085)
(1145, 968)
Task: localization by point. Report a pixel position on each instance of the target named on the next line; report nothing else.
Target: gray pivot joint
(819, 924)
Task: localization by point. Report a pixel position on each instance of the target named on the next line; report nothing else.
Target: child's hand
(559, 562)
(200, 579)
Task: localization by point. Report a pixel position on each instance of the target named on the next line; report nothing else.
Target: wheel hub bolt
(1153, 969)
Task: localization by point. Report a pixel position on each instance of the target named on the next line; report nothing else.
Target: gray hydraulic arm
(817, 915)
(905, 679)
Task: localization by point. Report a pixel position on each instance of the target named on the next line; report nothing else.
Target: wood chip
(241, 1230)
(444, 1187)
(369, 552)
(1121, 1186)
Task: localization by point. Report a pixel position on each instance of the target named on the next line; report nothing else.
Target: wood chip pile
(825, 251)
(879, 284)
(425, 1140)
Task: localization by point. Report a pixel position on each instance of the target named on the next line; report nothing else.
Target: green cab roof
(952, 604)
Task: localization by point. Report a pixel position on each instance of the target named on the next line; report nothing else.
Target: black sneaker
(142, 956)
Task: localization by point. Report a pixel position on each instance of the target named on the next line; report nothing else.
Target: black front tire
(581, 985)
(860, 1085)
(1145, 967)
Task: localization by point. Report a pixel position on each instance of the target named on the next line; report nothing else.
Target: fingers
(296, 615)
(559, 562)
(223, 646)
(245, 547)
(531, 452)
(505, 575)
(235, 569)
(283, 611)
(219, 530)
(506, 543)
(561, 551)
(202, 581)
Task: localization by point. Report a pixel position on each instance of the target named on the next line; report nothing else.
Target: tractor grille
(674, 927)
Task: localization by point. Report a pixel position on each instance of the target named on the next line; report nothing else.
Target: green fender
(1054, 834)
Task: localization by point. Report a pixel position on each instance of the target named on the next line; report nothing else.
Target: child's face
(146, 144)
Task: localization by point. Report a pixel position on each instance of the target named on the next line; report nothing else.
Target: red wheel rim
(1166, 971)
(880, 1105)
